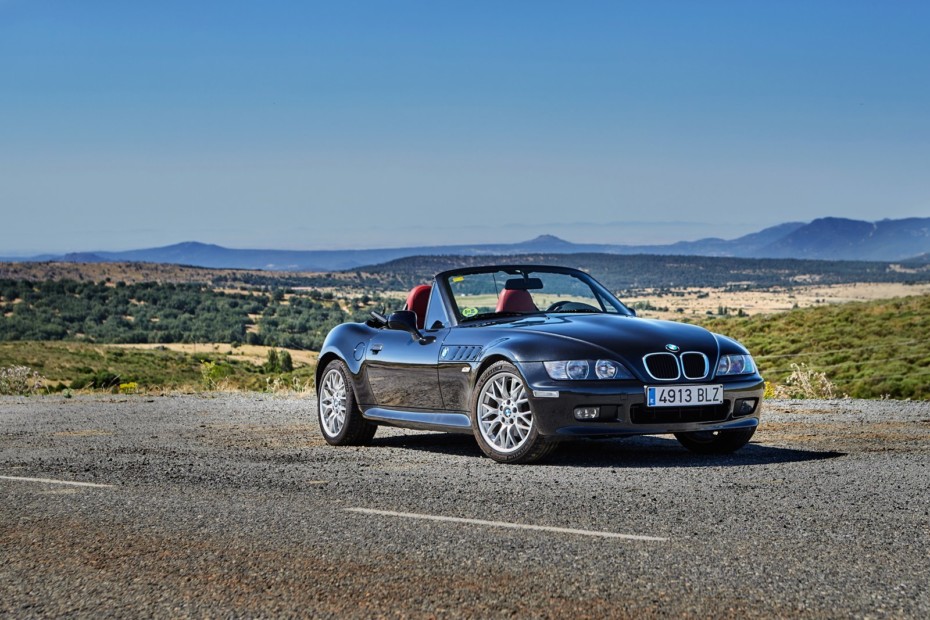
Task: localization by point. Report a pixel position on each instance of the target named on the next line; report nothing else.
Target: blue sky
(375, 124)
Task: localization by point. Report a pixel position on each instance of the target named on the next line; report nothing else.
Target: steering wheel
(379, 319)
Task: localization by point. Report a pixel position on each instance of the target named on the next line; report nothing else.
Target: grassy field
(253, 354)
(92, 366)
(698, 302)
(866, 338)
(870, 349)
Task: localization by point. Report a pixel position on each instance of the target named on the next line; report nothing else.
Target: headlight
(579, 369)
(571, 369)
(736, 365)
(608, 369)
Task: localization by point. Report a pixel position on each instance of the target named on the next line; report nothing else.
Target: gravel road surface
(233, 506)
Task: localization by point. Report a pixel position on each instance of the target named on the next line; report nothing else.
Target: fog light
(744, 406)
(587, 413)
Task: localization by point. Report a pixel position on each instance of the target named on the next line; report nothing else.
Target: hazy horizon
(422, 242)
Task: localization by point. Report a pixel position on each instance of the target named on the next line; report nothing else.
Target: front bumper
(622, 407)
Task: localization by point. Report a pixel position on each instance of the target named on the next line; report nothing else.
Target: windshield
(523, 291)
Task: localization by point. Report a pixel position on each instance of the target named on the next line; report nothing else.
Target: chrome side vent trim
(459, 353)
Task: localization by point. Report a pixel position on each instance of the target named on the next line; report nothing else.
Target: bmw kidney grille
(692, 365)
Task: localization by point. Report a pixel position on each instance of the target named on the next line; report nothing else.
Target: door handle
(376, 348)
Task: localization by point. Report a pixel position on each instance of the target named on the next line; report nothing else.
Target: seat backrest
(418, 300)
(516, 300)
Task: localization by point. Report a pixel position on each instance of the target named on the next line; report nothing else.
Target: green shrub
(101, 380)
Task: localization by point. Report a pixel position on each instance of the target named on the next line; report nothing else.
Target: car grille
(667, 367)
(662, 366)
(695, 365)
(640, 414)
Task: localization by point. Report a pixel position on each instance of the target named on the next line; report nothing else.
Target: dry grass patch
(701, 301)
(254, 354)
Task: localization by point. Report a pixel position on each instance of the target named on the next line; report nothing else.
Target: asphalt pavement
(231, 505)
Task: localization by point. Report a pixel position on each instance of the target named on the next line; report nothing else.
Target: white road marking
(50, 481)
(505, 524)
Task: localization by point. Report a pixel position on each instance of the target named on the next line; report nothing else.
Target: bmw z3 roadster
(524, 356)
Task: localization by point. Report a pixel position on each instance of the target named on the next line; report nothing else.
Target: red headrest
(516, 300)
(418, 300)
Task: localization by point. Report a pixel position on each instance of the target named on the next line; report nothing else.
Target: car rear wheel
(341, 421)
(716, 442)
(503, 419)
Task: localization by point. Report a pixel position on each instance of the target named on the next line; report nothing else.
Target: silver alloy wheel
(504, 416)
(333, 403)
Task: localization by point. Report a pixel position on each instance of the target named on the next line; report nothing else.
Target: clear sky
(312, 125)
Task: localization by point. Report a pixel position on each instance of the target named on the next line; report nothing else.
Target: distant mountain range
(826, 239)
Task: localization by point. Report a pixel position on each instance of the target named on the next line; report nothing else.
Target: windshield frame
(599, 290)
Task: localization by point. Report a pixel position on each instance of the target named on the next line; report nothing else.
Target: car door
(402, 372)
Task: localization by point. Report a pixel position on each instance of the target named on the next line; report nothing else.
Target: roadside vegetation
(226, 329)
(153, 312)
(41, 367)
(864, 350)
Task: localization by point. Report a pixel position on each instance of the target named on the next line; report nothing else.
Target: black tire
(507, 432)
(340, 419)
(716, 442)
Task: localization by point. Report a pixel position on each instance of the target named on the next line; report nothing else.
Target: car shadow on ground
(630, 452)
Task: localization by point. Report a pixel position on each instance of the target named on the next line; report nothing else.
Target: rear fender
(348, 342)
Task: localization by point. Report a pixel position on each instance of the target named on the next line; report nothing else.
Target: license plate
(683, 395)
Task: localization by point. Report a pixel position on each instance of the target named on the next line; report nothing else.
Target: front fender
(729, 346)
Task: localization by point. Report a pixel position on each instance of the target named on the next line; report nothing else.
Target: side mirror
(406, 320)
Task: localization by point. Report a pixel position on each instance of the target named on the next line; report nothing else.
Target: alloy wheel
(333, 403)
(504, 415)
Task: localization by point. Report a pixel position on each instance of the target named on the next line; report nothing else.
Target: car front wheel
(340, 419)
(503, 420)
(716, 442)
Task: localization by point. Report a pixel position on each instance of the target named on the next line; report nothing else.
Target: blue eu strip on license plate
(683, 395)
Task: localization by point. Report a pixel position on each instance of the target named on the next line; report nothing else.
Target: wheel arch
(532, 448)
(321, 365)
(490, 361)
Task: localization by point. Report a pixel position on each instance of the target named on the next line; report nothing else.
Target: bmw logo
(674, 348)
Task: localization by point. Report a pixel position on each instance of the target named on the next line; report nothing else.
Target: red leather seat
(516, 300)
(418, 300)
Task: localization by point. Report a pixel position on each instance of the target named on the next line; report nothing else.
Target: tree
(285, 362)
(273, 364)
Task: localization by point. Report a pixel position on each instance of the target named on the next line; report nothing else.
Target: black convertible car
(523, 356)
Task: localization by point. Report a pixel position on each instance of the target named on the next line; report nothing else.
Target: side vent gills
(459, 353)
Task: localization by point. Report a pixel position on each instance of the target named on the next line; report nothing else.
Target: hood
(622, 334)
(595, 336)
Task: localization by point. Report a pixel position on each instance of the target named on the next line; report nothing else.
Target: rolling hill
(825, 239)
